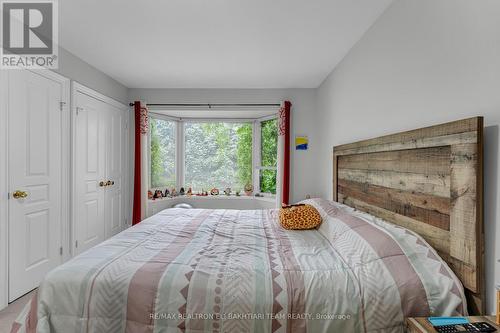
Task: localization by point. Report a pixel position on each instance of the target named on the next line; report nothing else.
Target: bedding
(193, 270)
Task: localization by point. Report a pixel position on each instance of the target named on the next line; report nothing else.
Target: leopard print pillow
(299, 217)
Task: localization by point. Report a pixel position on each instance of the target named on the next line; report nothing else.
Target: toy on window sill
(214, 191)
(238, 193)
(158, 195)
(189, 192)
(150, 195)
(166, 193)
(227, 191)
(173, 192)
(249, 189)
(182, 191)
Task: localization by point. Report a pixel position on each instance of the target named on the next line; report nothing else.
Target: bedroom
(350, 70)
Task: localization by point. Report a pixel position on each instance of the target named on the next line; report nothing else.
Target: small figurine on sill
(248, 189)
(189, 192)
(166, 193)
(173, 192)
(258, 195)
(227, 191)
(214, 191)
(158, 195)
(181, 191)
(150, 195)
(238, 193)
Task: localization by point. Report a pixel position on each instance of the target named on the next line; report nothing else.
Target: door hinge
(61, 250)
(76, 243)
(8, 195)
(61, 105)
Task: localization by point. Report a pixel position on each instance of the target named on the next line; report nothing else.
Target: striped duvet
(238, 271)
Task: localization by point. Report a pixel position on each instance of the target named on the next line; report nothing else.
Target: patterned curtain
(283, 176)
(141, 180)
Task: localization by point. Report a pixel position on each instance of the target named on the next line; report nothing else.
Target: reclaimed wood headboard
(428, 180)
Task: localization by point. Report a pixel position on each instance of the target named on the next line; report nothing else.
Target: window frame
(258, 167)
(180, 163)
(176, 164)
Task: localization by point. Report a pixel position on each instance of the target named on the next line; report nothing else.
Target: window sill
(214, 197)
(212, 202)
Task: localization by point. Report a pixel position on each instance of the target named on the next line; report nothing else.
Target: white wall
(78, 70)
(303, 115)
(423, 62)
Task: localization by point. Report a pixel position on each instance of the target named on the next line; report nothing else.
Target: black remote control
(472, 327)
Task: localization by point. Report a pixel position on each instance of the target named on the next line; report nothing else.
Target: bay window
(203, 154)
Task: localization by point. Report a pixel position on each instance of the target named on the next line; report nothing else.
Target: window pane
(269, 142)
(218, 155)
(268, 181)
(162, 153)
(269, 155)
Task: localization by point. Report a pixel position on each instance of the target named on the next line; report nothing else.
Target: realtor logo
(29, 34)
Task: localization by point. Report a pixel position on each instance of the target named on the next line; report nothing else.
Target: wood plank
(335, 176)
(429, 161)
(438, 238)
(463, 202)
(436, 185)
(390, 199)
(436, 141)
(425, 201)
(459, 126)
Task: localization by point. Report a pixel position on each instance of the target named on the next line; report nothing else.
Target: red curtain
(284, 130)
(136, 214)
(141, 130)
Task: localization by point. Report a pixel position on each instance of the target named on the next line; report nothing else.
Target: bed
(202, 270)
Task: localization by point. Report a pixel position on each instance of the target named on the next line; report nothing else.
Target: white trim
(270, 117)
(4, 244)
(256, 155)
(162, 116)
(216, 120)
(180, 159)
(97, 95)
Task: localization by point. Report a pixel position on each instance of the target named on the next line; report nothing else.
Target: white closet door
(35, 182)
(114, 171)
(90, 126)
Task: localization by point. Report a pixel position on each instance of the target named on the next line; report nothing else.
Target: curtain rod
(209, 105)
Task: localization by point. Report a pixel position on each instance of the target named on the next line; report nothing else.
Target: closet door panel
(90, 150)
(35, 168)
(114, 166)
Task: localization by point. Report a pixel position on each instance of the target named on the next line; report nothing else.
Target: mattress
(195, 270)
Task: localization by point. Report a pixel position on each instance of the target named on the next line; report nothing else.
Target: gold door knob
(101, 184)
(109, 183)
(19, 194)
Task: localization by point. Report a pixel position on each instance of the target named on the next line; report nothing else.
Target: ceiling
(215, 43)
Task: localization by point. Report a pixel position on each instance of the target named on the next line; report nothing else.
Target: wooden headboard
(428, 180)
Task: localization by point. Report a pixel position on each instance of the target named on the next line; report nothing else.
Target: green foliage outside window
(162, 153)
(269, 155)
(218, 155)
